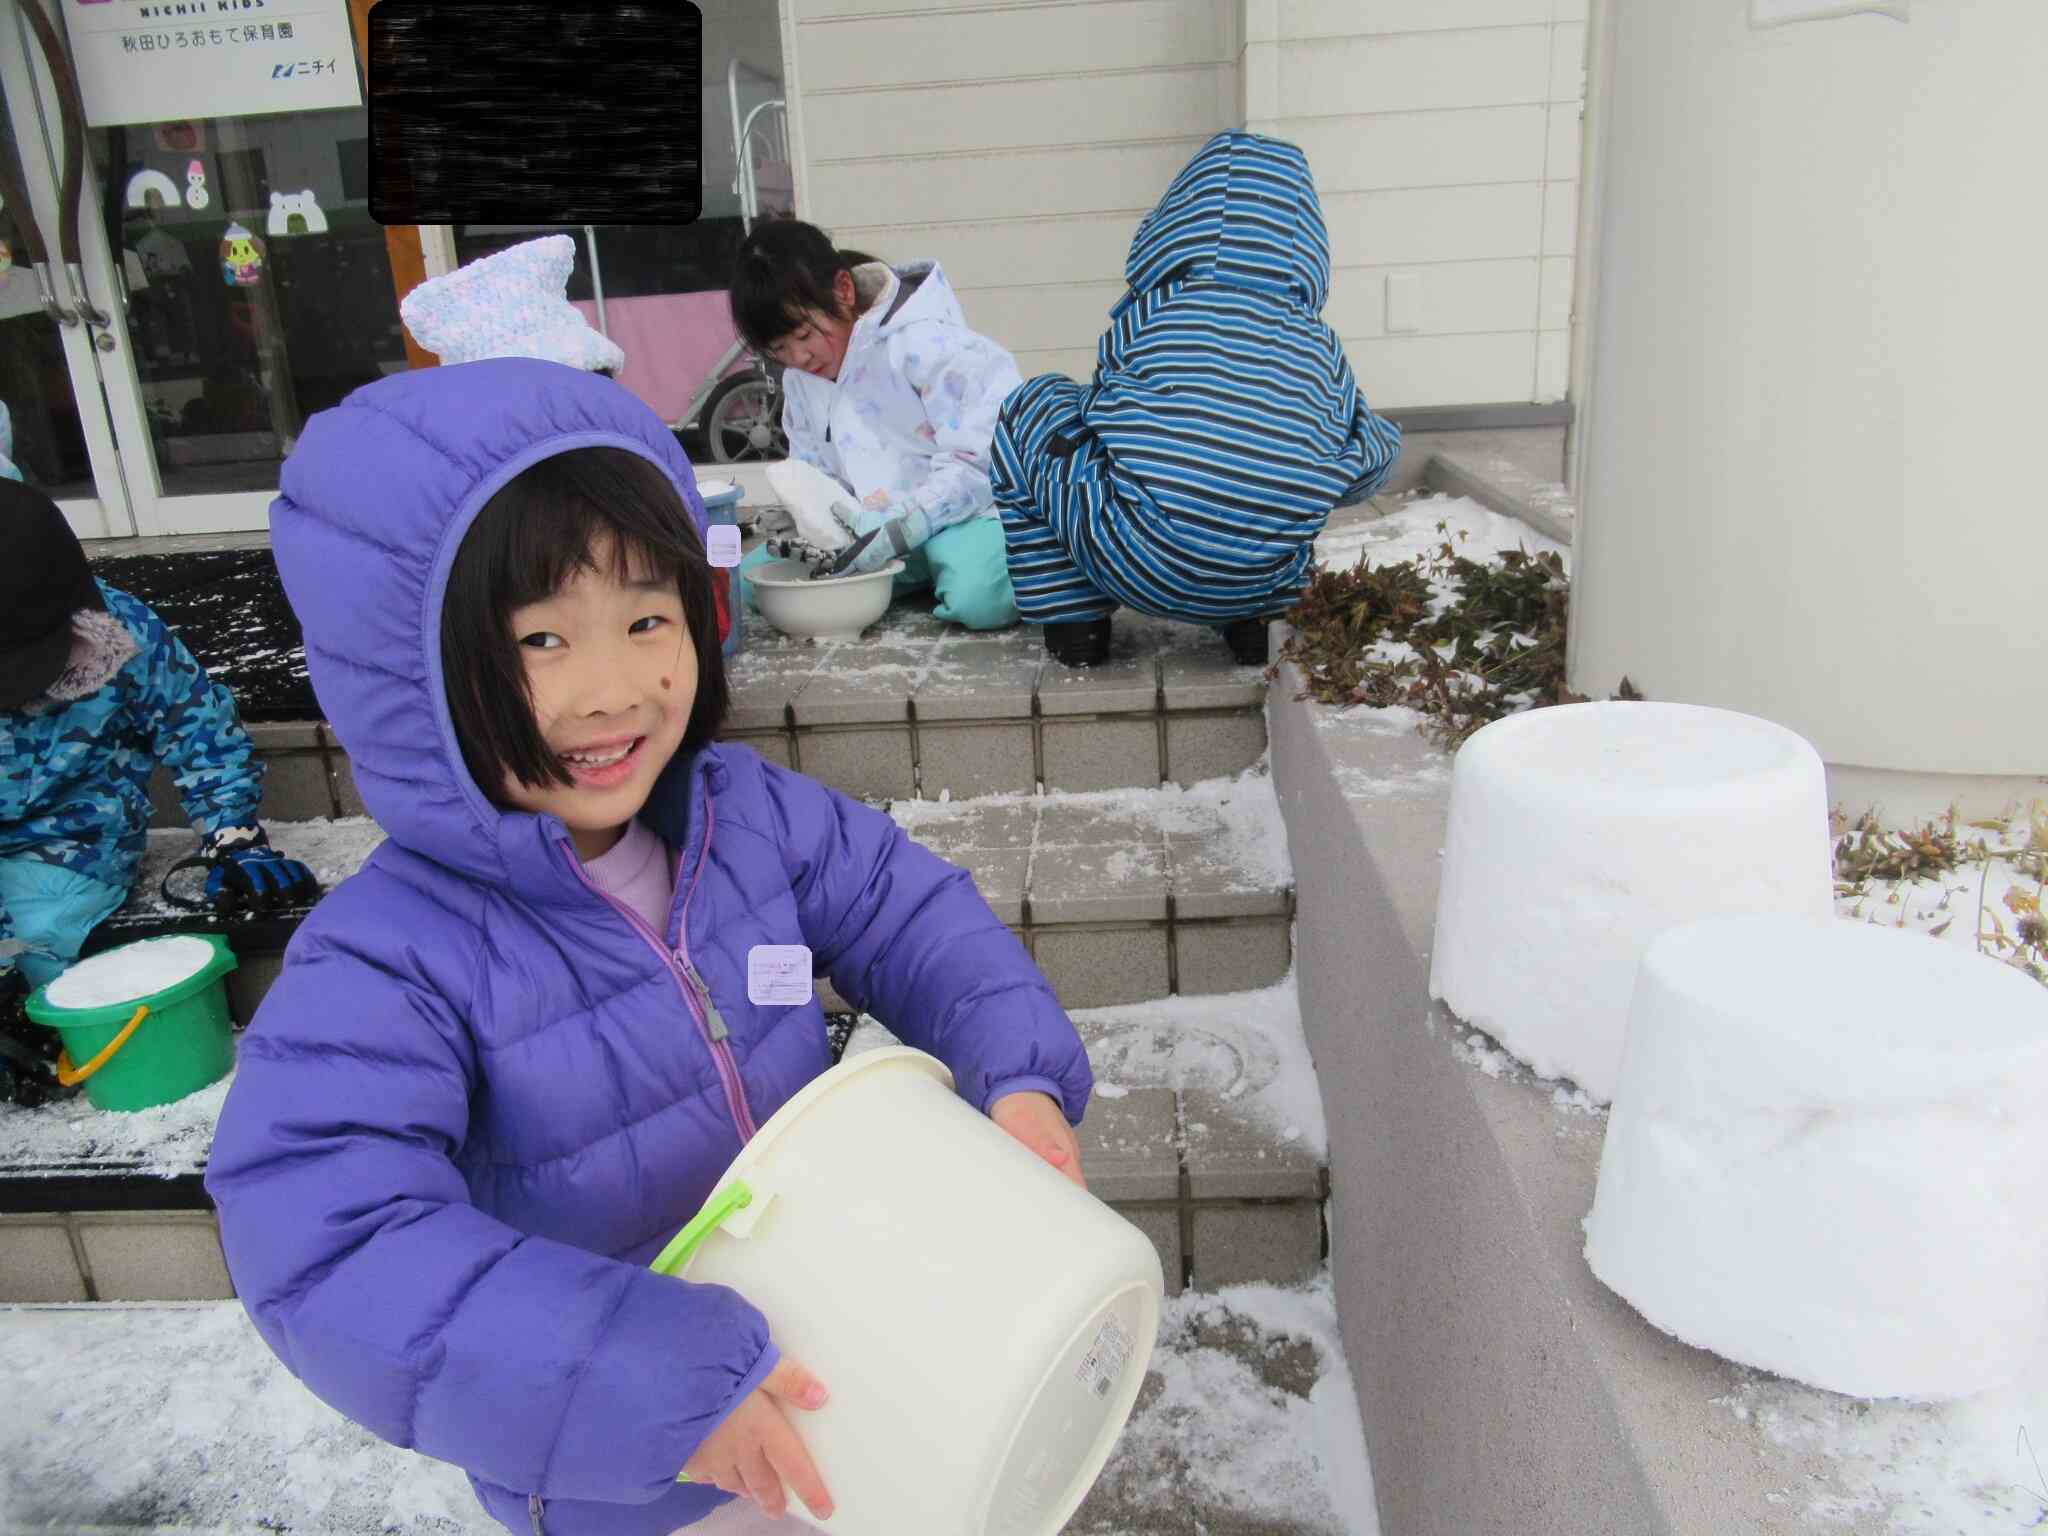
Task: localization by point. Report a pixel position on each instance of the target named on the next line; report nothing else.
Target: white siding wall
(1444, 136)
(1019, 144)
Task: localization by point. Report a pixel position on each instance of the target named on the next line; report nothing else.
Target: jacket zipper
(714, 1024)
(696, 996)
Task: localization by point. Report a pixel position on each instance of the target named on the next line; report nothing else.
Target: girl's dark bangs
(565, 518)
(763, 316)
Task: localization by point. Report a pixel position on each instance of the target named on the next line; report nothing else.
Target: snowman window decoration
(196, 195)
(241, 258)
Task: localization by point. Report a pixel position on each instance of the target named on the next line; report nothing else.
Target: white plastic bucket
(983, 1324)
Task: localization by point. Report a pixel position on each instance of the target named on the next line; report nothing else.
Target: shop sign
(153, 61)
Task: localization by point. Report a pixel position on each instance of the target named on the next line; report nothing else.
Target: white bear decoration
(296, 215)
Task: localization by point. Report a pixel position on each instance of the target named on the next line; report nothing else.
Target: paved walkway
(149, 1418)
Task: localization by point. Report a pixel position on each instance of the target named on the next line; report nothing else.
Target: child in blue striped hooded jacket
(1191, 477)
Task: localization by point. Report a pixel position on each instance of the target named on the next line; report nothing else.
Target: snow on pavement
(155, 1418)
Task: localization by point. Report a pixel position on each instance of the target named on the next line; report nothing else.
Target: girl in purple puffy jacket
(513, 1055)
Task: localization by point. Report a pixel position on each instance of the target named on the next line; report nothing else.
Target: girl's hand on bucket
(757, 1451)
(1038, 1122)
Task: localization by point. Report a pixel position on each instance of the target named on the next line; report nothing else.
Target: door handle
(71, 194)
(88, 311)
(14, 204)
(53, 306)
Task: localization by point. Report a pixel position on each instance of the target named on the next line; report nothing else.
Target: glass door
(56, 431)
(238, 284)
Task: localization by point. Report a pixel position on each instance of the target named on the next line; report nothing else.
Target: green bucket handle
(736, 1196)
(71, 1076)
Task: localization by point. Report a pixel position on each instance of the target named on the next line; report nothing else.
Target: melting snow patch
(333, 850)
(1963, 1467)
(1475, 1050)
(1473, 531)
(1229, 828)
(1250, 1416)
(176, 1417)
(69, 1134)
(1241, 1045)
(1244, 1046)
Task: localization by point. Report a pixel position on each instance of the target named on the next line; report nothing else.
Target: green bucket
(152, 1049)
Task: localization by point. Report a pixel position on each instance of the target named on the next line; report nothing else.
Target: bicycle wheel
(743, 420)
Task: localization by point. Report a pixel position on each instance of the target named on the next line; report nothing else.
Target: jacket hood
(1243, 213)
(921, 293)
(372, 506)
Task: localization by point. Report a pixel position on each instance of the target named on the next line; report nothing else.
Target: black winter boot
(1078, 643)
(28, 1052)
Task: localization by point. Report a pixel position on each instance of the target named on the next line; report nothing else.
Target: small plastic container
(721, 500)
(151, 1049)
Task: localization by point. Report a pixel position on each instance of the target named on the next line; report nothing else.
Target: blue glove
(248, 875)
(903, 527)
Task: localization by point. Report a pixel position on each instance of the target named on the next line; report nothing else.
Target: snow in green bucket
(144, 1024)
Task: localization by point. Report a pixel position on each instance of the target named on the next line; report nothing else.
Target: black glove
(248, 875)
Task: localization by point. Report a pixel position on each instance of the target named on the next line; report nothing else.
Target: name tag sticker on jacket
(778, 975)
(722, 545)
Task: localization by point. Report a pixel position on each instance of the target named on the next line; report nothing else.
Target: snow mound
(1579, 833)
(1829, 1156)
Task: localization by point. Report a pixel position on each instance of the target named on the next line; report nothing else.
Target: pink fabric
(671, 341)
(638, 872)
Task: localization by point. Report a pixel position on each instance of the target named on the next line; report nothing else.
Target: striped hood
(1191, 477)
(1242, 213)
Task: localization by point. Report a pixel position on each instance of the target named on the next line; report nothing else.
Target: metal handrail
(743, 172)
(750, 186)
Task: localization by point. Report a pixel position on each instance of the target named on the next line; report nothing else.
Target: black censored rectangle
(499, 112)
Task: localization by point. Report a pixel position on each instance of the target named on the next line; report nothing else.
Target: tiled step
(1122, 895)
(919, 707)
(1224, 1440)
(915, 706)
(1206, 1132)
(1130, 894)
(1191, 1136)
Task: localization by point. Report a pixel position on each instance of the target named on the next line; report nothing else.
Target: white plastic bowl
(836, 608)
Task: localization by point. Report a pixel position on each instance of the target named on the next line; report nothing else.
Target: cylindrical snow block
(1828, 1157)
(1579, 833)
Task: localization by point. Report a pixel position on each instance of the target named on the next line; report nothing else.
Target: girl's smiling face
(612, 674)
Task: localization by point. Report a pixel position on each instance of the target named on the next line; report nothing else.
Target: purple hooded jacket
(481, 1096)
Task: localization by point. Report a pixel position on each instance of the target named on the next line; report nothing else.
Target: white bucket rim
(800, 1103)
